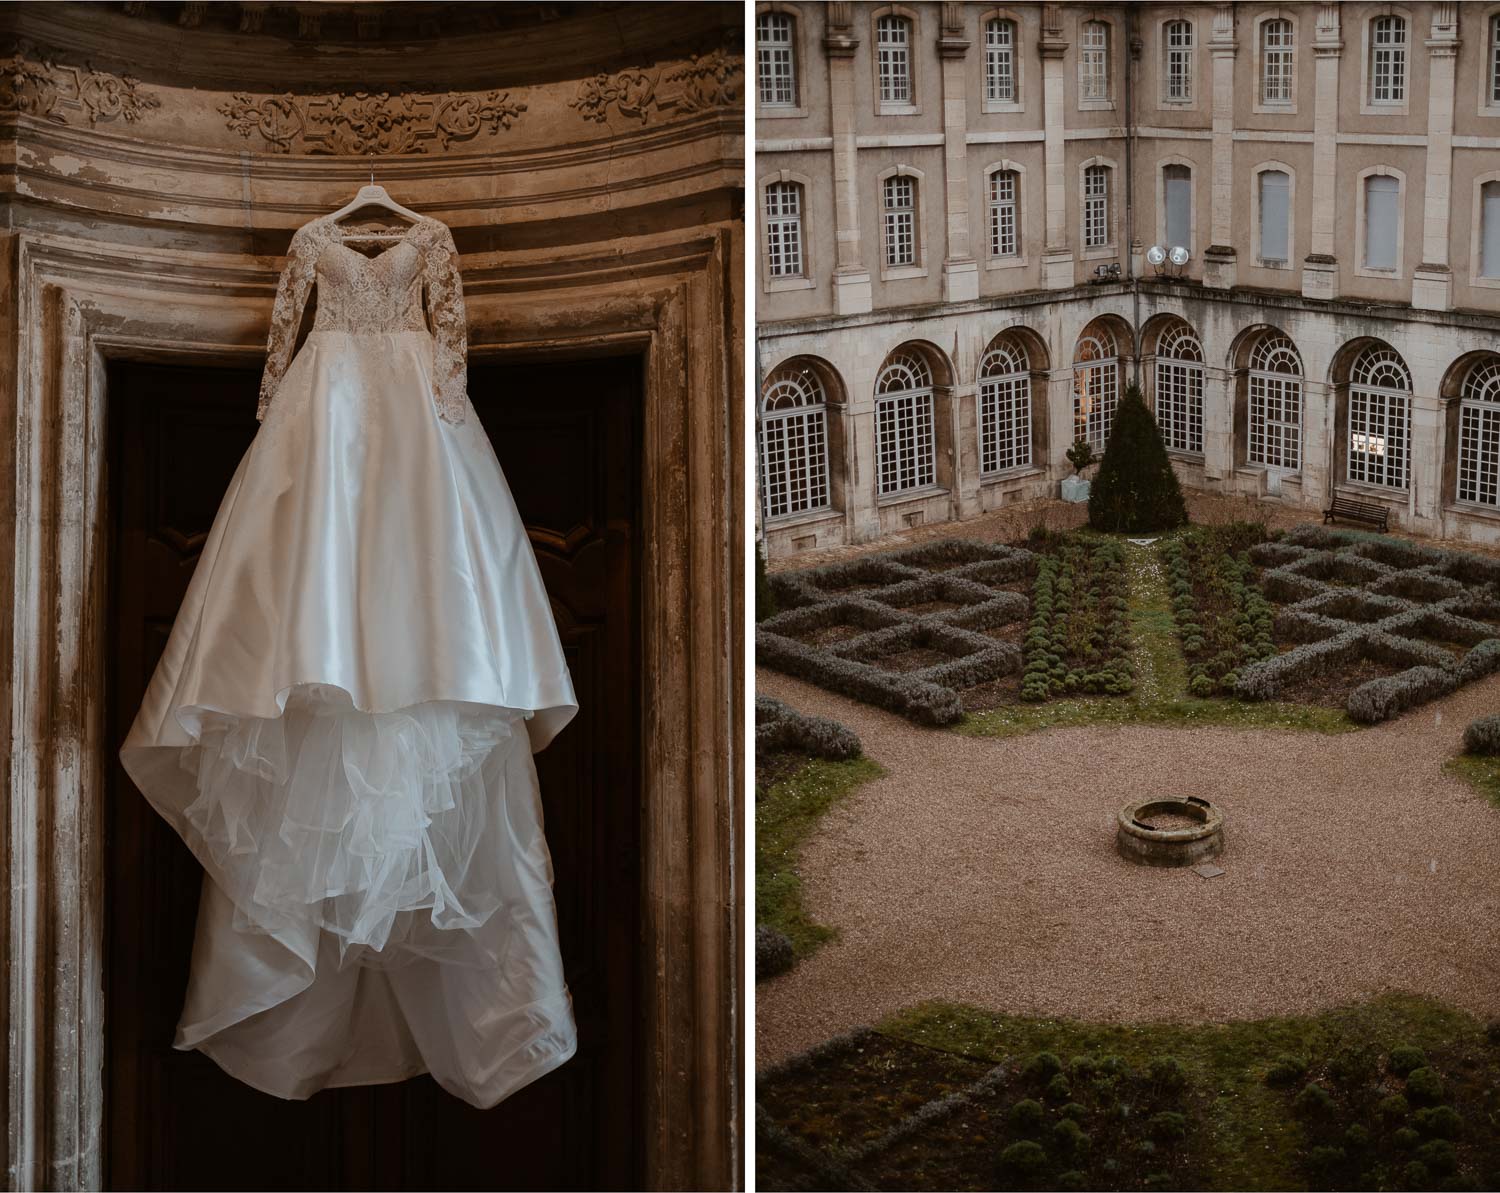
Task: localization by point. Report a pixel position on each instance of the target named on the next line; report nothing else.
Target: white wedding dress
(342, 723)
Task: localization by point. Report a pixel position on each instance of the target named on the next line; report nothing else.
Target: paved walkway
(983, 871)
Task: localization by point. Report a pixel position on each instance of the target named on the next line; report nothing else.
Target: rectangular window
(1004, 235)
(1004, 424)
(1096, 207)
(1275, 215)
(794, 475)
(775, 66)
(1276, 62)
(904, 442)
(1179, 404)
(1479, 453)
(893, 54)
(1489, 230)
(1494, 60)
(1387, 60)
(901, 220)
(1177, 182)
(784, 229)
(1093, 61)
(1000, 61)
(1378, 432)
(1276, 420)
(1382, 220)
(1179, 39)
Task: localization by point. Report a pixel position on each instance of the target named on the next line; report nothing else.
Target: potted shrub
(1080, 455)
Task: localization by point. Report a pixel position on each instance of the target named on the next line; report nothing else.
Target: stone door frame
(82, 303)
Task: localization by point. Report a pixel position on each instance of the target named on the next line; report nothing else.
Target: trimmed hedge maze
(905, 630)
(1429, 618)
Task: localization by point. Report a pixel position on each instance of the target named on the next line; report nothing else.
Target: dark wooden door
(567, 434)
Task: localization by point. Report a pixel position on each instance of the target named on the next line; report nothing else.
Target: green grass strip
(784, 818)
(1480, 772)
(1251, 1140)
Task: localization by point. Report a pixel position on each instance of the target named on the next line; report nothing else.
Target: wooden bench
(1350, 510)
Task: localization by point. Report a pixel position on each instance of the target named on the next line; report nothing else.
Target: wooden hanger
(375, 195)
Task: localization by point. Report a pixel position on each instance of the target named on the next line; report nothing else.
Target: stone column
(1218, 257)
(1057, 256)
(1218, 427)
(1320, 272)
(960, 269)
(1318, 464)
(1431, 287)
(1427, 434)
(1059, 425)
(851, 276)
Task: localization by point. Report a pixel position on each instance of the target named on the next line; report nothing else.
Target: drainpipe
(1133, 52)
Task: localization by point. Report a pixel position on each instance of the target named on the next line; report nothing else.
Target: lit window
(1178, 36)
(1004, 407)
(893, 56)
(1000, 61)
(1096, 207)
(1277, 46)
(784, 230)
(1275, 403)
(1382, 220)
(793, 443)
(1179, 389)
(904, 443)
(1479, 435)
(1093, 61)
(1275, 215)
(1388, 60)
(1005, 238)
(775, 62)
(900, 220)
(1096, 386)
(1379, 419)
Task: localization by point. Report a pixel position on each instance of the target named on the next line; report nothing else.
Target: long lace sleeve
(286, 314)
(450, 327)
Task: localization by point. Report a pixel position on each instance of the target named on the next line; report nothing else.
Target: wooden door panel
(566, 434)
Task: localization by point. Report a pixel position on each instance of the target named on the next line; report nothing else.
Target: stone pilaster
(1320, 272)
(960, 270)
(1218, 427)
(1218, 257)
(1057, 256)
(1317, 442)
(1059, 423)
(1431, 287)
(1427, 435)
(851, 276)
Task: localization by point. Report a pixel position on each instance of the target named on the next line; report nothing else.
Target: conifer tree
(1136, 490)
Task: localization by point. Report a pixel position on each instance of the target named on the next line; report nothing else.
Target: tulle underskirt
(383, 829)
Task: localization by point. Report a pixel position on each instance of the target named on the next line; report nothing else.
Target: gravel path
(983, 871)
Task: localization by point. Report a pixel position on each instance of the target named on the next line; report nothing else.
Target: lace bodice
(383, 293)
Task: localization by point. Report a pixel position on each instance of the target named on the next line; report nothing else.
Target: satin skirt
(341, 728)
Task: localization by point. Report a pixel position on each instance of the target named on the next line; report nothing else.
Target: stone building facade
(958, 204)
(155, 160)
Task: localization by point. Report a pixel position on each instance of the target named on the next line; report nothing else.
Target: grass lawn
(1482, 772)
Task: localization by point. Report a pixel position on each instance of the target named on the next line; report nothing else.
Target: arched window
(1277, 50)
(904, 444)
(1096, 213)
(1179, 389)
(1005, 214)
(1000, 61)
(1382, 228)
(1004, 407)
(1177, 50)
(784, 255)
(776, 59)
(893, 59)
(1093, 61)
(1379, 421)
(793, 443)
(899, 196)
(1388, 60)
(1479, 434)
(1096, 385)
(1275, 403)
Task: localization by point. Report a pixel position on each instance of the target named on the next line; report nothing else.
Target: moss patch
(787, 812)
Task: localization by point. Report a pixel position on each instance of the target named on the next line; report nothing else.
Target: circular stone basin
(1170, 832)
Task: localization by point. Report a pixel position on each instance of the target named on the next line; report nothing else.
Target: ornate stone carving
(42, 88)
(369, 123)
(705, 81)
